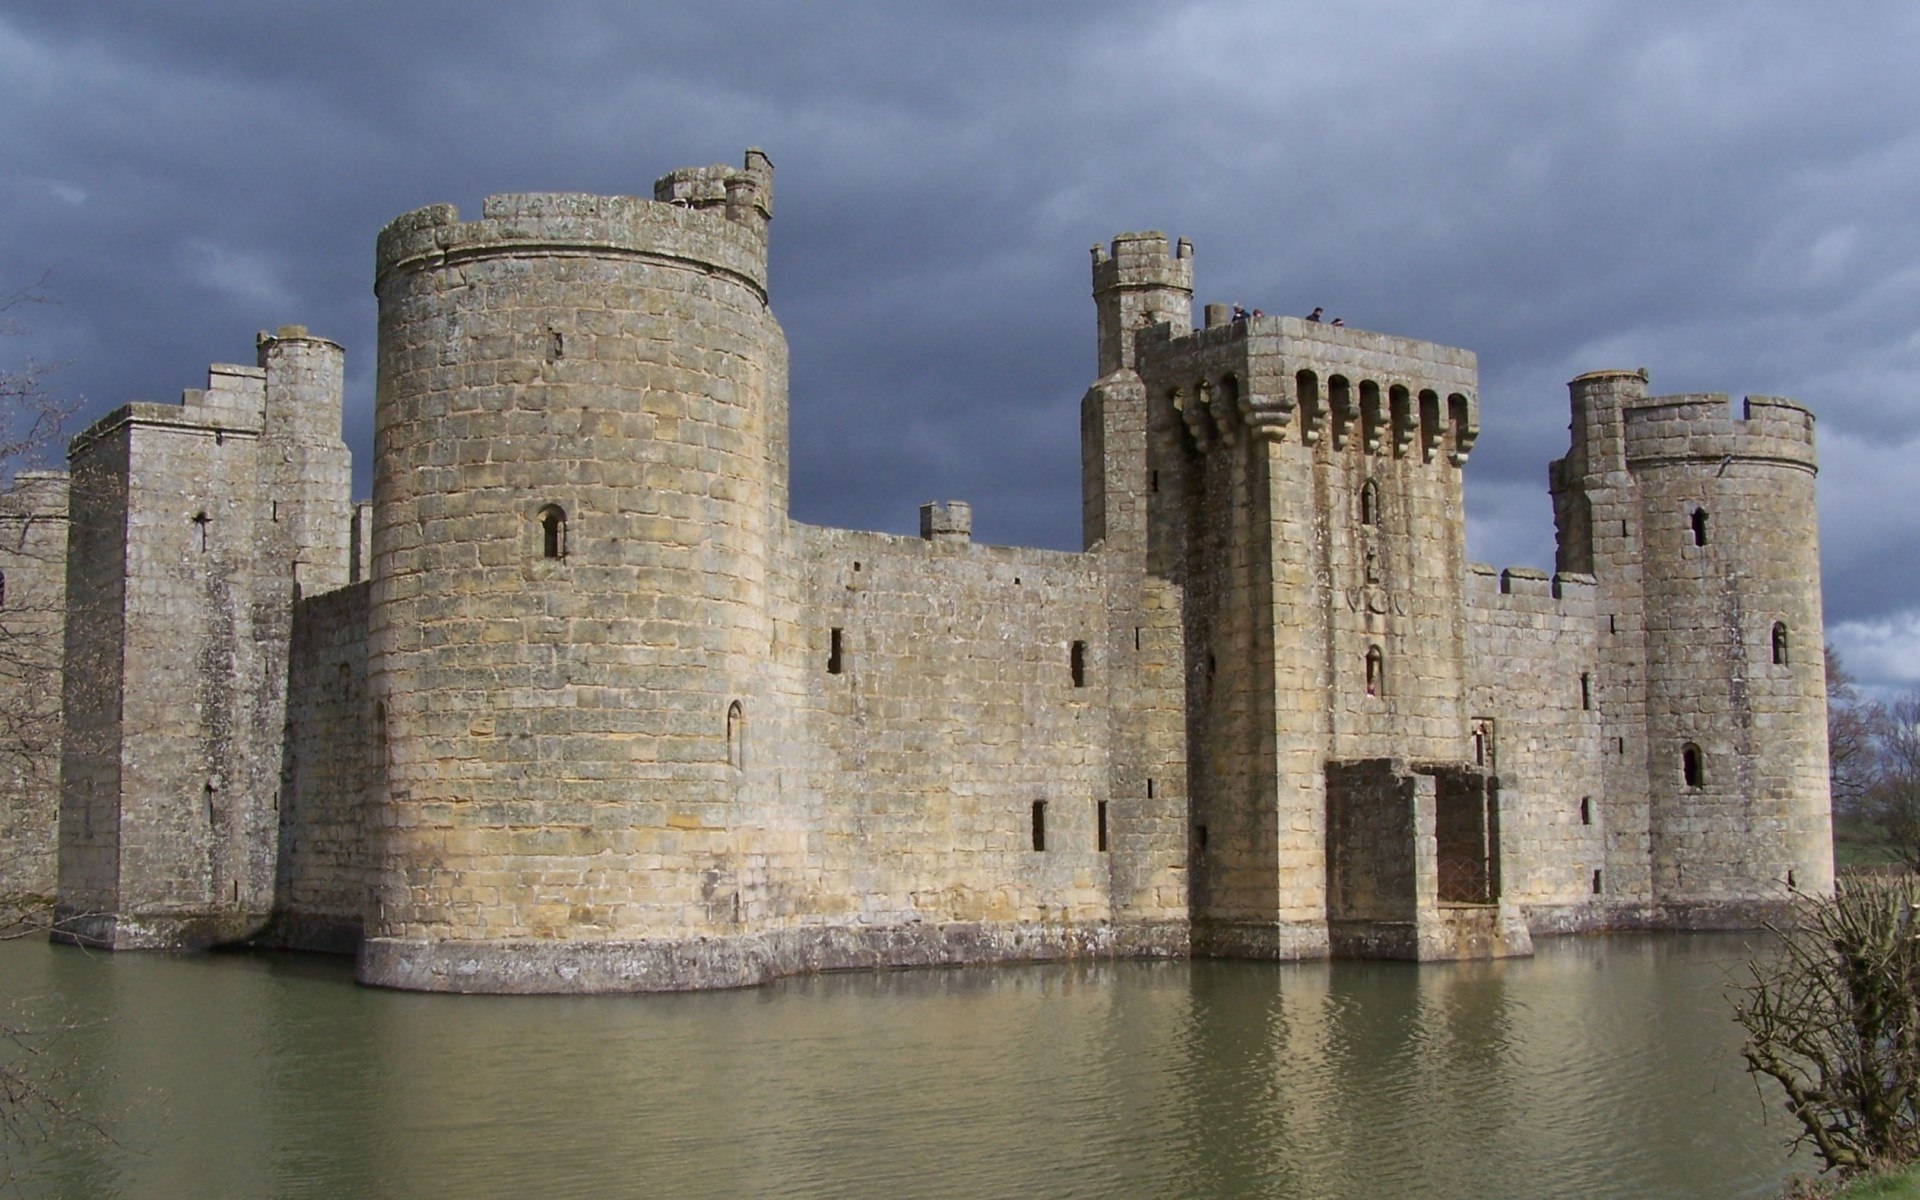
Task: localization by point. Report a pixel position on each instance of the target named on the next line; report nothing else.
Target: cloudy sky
(1723, 193)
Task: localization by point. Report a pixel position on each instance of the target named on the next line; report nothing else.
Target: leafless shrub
(1833, 1017)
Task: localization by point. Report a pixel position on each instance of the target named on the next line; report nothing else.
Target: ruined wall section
(329, 767)
(1535, 725)
(33, 588)
(92, 681)
(573, 512)
(173, 842)
(1735, 672)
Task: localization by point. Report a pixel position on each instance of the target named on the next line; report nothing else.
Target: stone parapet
(1702, 428)
(546, 223)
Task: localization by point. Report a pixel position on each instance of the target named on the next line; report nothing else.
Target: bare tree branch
(1833, 1018)
(37, 1093)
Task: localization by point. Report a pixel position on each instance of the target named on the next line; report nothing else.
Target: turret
(306, 470)
(1136, 285)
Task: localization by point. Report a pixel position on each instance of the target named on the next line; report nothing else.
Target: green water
(1602, 1067)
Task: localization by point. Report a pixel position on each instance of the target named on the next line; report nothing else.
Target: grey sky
(1722, 193)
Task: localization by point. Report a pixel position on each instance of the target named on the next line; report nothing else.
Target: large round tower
(1735, 684)
(578, 455)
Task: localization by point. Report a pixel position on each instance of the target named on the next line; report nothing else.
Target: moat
(1603, 1067)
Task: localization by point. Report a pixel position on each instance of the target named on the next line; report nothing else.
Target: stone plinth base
(1449, 933)
(153, 931)
(1285, 941)
(694, 964)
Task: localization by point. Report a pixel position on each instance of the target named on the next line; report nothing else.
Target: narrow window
(1586, 810)
(1136, 636)
(1376, 671)
(1612, 625)
(1699, 526)
(1370, 503)
(1153, 481)
(1619, 745)
(275, 514)
(1039, 824)
(1079, 663)
(833, 653)
(3, 589)
(1200, 837)
(1479, 748)
(1149, 789)
(736, 736)
(1779, 643)
(1692, 770)
(1100, 829)
(1586, 690)
(201, 521)
(553, 531)
(1596, 882)
(1790, 879)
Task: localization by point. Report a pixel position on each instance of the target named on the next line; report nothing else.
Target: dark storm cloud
(1718, 192)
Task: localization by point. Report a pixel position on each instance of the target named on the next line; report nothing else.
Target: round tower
(578, 401)
(1736, 684)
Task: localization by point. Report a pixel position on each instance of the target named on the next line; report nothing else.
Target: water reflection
(1602, 1067)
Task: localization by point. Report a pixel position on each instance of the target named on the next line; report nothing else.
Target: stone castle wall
(330, 769)
(961, 734)
(1535, 723)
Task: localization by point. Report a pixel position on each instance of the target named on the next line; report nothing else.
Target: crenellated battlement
(1528, 589)
(1287, 378)
(712, 217)
(746, 193)
(1143, 259)
(1702, 427)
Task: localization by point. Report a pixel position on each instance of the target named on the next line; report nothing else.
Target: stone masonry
(574, 705)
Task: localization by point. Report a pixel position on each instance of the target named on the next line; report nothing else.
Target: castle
(572, 705)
